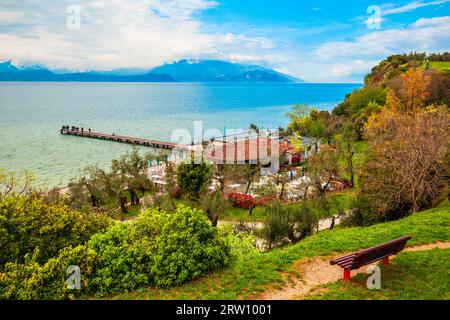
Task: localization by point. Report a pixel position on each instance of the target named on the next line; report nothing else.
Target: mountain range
(183, 71)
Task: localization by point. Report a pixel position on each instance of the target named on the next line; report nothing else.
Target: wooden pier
(117, 138)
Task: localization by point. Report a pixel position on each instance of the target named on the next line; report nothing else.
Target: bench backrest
(369, 255)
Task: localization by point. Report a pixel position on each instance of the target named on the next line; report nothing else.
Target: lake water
(31, 115)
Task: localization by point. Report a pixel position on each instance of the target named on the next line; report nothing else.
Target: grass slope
(411, 275)
(441, 65)
(251, 274)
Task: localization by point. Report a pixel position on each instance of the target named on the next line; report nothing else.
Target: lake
(31, 115)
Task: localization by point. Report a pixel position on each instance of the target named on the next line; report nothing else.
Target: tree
(29, 225)
(12, 185)
(409, 92)
(225, 172)
(254, 127)
(116, 186)
(305, 122)
(282, 179)
(360, 105)
(193, 178)
(214, 206)
(331, 122)
(345, 140)
(250, 173)
(132, 167)
(439, 88)
(171, 180)
(299, 111)
(289, 223)
(322, 168)
(404, 170)
(89, 189)
(126, 177)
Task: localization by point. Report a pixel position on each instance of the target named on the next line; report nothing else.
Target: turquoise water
(31, 115)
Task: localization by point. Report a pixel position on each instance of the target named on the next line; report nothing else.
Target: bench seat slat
(370, 255)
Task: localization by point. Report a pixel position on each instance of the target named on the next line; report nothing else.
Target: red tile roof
(245, 150)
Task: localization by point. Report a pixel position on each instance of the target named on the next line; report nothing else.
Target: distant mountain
(184, 70)
(9, 72)
(215, 70)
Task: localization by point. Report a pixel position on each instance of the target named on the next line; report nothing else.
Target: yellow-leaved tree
(404, 171)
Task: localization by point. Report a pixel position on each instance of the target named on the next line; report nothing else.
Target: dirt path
(318, 271)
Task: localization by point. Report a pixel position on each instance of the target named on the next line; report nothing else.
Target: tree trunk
(248, 187)
(350, 165)
(250, 210)
(282, 191)
(214, 221)
(94, 201)
(123, 204)
(332, 222)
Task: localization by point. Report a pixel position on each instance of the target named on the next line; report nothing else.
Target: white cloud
(425, 34)
(340, 60)
(411, 6)
(146, 33)
(390, 9)
(114, 34)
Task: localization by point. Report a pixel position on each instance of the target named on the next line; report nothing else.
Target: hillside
(214, 71)
(184, 70)
(361, 103)
(251, 275)
(393, 66)
(9, 72)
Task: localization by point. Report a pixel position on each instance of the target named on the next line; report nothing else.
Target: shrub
(160, 249)
(28, 224)
(289, 223)
(244, 201)
(214, 205)
(31, 280)
(265, 200)
(193, 178)
(240, 243)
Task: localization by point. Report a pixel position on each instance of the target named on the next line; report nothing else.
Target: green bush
(240, 243)
(29, 224)
(193, 178)
(290, 223)
(31, 280)
(159, 249)
(162, 249)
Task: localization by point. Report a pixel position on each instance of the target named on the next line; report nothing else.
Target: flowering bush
(244, 201)
(265, 200)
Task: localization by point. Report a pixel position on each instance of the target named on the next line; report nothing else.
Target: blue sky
(319, 41)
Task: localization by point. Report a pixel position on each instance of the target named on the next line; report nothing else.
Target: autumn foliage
(405, 169)
(408, 94)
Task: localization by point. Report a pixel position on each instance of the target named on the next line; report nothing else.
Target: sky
(317, 41)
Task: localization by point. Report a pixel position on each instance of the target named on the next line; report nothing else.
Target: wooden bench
(367, 256)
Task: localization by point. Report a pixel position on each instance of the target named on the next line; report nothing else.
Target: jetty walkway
(76, 131)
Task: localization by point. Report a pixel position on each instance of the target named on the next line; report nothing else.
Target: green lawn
(238, 214)
(232, 214)
(360, 151)
(251, 274)
(133, 212)
(441, 65)
(411, 275)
